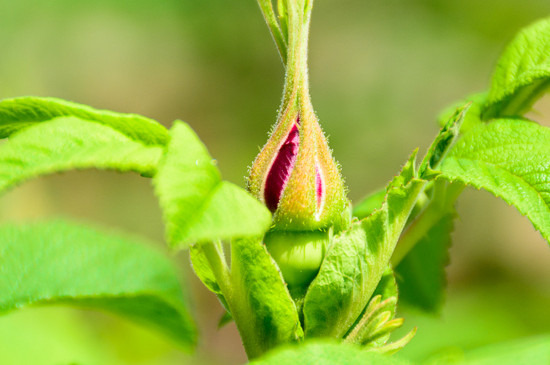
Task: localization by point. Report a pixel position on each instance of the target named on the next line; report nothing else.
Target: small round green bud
(298, 254)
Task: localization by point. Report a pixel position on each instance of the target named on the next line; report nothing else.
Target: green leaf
(23, 112)
(510, 159)
(533, 350)
(421, 274)
(68, 143)
(441, 144)
(522, 74)
(260, 303)
(197, 205)
(63, 263)
(357, 259)
(325, 353)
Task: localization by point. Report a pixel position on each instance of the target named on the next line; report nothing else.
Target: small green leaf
(197, 205)
(68, 143)
(357, 259)
(522, 74)
(261, 304)
(442, 143)
(63, 263)
(472, 116)
(325, 353)
(23, 112)
(510, 159)
(421, 274)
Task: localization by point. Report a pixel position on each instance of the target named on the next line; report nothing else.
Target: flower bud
(298, 254)
(296, 176)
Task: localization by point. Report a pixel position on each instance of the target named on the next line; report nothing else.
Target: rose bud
(297, 178)
(299, 181)
(295, 175)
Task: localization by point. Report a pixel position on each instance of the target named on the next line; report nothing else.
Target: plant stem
(278, 36)
(442, 202)
(214, 254)
(230, 286)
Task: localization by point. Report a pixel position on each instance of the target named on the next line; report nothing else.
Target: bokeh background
(380, 72)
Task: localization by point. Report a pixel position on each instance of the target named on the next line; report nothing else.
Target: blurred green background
(380, 72)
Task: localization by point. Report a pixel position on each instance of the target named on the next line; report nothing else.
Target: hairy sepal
(261, 304)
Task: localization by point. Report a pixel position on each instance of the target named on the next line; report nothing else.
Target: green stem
(442, 202)
(230, 285)
(266, 7)
(214, 254)
(296, 89)
(240, 310)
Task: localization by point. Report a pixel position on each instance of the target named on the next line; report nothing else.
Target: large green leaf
(421, 274)
(197, 205)
(325, 353)
(67, 143)
(62, 263)
(522, 73)
(511, 159)
(533, 350)
(23, 112)
(357, 259)
(260, 302)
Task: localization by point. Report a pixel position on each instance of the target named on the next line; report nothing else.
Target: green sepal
(260, 303)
